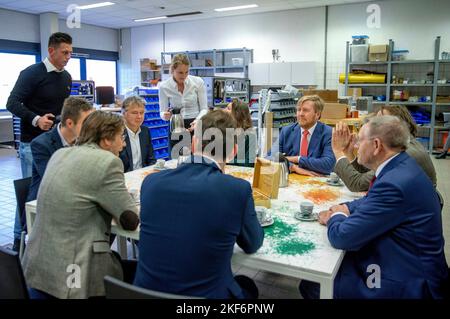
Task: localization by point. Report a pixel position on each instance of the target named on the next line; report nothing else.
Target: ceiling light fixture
(237, 8)
(149, 19)
(95, 5)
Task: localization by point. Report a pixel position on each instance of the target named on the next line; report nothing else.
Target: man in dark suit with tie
(192, 217)
(74, 111)
(392, 237)
(138, 152)
(307, 143)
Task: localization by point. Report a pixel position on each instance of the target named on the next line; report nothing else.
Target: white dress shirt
(193, 101)
(63, 140)
(308, 138)
(135, 146)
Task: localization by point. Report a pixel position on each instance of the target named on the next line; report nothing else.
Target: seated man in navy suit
(138, 152)
(392, 236)
(307, 143)
(192, 217)
(74, 111)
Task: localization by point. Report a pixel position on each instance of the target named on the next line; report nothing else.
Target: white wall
(19, 26)
(298, 34)
(92, 37)
(412, 24)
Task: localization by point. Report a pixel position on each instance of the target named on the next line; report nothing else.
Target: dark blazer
(396, 230)
(320, 154)
(148, 158)
(191, 218)
(42, 148)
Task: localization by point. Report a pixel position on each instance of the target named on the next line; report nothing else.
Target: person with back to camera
(184, 92)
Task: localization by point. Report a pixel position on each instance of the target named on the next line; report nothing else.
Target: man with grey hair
(138, 152)
(393, 238)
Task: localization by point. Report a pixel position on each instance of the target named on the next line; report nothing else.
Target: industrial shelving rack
(438, 68)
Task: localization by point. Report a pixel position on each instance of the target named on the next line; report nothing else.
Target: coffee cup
(261, 213)
(306, 209)
(160, 163)
(334, 178)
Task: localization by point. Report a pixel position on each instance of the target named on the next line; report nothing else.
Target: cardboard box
(266, 181)
(354, 92)
(148, 64)
(326, 95)
(334, 111)
(378, 52)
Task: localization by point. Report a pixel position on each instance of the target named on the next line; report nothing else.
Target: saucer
(339, 183)
(269, 221)
(312, 218)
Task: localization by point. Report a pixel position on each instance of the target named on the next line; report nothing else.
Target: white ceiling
(121, 14)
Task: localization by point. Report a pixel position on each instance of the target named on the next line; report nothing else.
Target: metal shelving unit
(159, 128)
(389, 64)
(219, 61)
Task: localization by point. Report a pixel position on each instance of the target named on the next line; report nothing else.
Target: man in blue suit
(191, 218)
(138, 152)
(307, 143)
(392, 236)
(74, 111)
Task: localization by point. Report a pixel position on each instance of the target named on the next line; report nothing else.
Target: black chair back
(12, 281)
(21, 188)
(441, 199)
(117, 289)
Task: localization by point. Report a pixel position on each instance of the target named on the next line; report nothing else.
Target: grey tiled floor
(270, 285)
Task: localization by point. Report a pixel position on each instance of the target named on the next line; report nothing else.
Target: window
(73, 67)
(102, 72)
(10, 65)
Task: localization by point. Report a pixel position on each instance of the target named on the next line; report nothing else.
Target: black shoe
(16, 245)
(442, 155)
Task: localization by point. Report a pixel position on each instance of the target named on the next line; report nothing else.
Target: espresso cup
(160, 163)
(334, 178)
(261, 213)
(306, 209)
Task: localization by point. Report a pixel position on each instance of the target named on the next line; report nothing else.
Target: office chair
(12, 281)
(21, 188)
(104, 95)
(117, 289)
(441, 199)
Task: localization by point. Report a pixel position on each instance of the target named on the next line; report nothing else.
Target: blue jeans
(26, 163)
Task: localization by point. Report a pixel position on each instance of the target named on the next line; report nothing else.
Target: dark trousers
(248, 286)
(309, 289)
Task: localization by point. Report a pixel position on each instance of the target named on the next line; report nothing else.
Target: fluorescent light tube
(237, 8)
(149, 19)
(95, 5)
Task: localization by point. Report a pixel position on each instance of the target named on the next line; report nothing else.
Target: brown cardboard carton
(266, 182)
(354, 92)
(378, 52)
(334, 111)
(326, 95)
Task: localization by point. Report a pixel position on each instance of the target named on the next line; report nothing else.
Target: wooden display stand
(266, 182)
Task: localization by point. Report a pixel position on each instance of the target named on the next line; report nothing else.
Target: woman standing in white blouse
(182, 91)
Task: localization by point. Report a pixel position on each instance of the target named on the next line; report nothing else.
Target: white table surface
(291, 247)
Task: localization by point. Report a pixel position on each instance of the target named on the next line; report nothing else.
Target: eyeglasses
(124, 136)
(359, 140)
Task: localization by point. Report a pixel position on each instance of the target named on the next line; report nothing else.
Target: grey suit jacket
(68, 252)
(357, 178)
